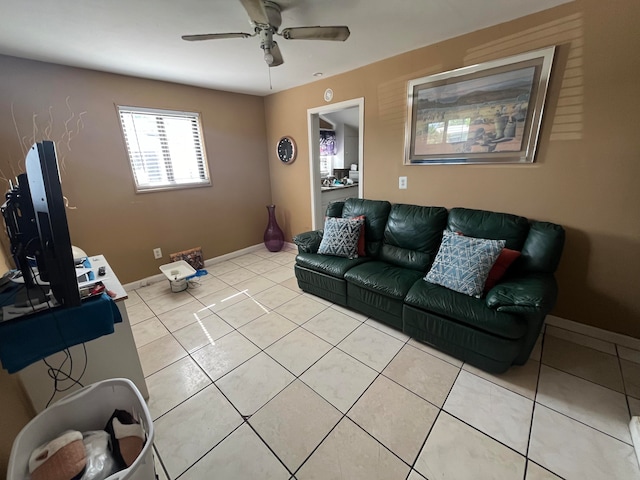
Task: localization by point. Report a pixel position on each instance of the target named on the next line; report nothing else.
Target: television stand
(109, 356)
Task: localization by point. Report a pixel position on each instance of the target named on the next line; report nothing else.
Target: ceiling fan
(266, 19)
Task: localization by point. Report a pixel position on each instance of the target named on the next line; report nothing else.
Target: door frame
(313, 123)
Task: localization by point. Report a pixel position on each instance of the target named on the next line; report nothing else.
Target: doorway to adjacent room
(346, 117)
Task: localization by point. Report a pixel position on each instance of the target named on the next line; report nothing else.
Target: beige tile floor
(250, 378)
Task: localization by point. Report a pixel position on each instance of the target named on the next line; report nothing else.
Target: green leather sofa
(492, 332)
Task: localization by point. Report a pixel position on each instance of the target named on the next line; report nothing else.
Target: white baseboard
(595, 332)
(145, 282)
(211, 261)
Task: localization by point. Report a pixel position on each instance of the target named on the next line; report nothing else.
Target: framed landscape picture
(485, 113)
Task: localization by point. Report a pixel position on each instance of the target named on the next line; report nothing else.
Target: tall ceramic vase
(273, 236)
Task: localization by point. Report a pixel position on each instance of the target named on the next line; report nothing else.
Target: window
(165, 148)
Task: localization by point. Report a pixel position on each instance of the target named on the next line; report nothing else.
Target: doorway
(349, 114)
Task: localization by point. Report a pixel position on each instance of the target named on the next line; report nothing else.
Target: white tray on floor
(177, 270)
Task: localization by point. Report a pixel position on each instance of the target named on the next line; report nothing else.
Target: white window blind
(165, 148)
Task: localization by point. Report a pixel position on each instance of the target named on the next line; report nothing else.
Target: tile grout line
(575, 419)
(583, 378)
(379, 373)
(440, 410)
(345, 415)
(502, 386)
(536, 402)
(533, 407)
(297, 377)
(157, 454)
(485, 434)
(578, 334)
(584, 424)
(245, 418)
(624, 386)
(207, 452)
(264, 441)
(188, 354)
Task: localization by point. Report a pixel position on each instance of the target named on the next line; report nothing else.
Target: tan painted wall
(588, 163)
(110, 218)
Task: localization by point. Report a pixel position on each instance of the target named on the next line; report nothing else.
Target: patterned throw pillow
(340, 237)
(463, 263)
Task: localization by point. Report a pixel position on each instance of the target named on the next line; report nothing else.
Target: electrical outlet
(402, 183)
(157, 253)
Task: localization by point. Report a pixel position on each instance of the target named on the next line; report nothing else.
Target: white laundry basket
(87, 409)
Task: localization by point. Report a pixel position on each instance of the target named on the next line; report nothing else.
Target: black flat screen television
(36, 222)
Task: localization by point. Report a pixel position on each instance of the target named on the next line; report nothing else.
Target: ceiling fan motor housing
(273, 14)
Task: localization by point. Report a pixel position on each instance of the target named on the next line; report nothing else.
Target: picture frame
(485, 113)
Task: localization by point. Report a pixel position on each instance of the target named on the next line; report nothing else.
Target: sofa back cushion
(376, 213)
(412, 236)
(490, 225)
(334, 209)
(540, 243)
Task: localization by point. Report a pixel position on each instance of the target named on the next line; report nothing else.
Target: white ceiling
(142, 38)
(347, 116)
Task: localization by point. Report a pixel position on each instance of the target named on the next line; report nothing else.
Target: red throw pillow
(361, 250)
(506, 258)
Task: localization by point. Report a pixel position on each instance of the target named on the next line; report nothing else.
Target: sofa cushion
(383, 278)
(340, 237)
(376, 213)
(463, 263)
(464, 309)
(334, 266)
(412, 236)
(491, 225)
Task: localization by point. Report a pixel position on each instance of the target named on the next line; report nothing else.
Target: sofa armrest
(308, 242)
(531, 293)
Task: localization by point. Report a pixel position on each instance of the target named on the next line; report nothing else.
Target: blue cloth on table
(26, 340)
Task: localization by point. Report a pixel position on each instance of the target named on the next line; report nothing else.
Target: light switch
(402, 183)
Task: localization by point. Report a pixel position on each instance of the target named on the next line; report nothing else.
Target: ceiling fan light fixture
(268, 58)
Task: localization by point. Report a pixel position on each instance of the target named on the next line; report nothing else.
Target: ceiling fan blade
(256, 11)
(339, 34)
(214, 36)
(277, 55)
